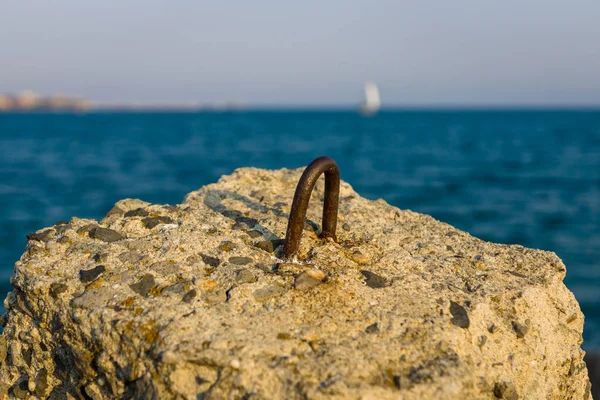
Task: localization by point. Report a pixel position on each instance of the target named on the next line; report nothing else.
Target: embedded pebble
(520, 329)
(482, 340)
(240, 260)
(164, 268)
(212, 261)
(92, 299)
(26, 354)
(144, 285)
(138, 212)
(41, 237)
(105, 234)
(166, 227)
(87, 228)
(176, 288)
(212, 200)
(189, 296)
(61, 228)
(373, 280)
(266, 245)
(360, 258)
(215, 296)
(460, 317)
(57, 288)
(245, 276)
(89, 275)
(309, 279)
(100, 257)
(151, 222)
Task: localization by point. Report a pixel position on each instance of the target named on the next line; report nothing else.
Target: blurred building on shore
(31, 101)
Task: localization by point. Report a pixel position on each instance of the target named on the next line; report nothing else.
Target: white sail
(372, 99)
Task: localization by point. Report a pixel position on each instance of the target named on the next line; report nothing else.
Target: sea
(528, 177)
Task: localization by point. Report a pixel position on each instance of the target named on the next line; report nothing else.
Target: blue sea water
(524, 177)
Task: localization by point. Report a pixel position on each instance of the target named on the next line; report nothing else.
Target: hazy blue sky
(305, 52)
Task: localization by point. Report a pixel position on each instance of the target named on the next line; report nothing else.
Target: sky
(284, 53)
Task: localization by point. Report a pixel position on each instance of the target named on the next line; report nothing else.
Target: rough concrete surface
(192, 302)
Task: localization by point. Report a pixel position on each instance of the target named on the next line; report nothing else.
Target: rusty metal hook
(300, 204)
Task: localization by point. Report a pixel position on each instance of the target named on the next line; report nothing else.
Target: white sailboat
(372, 99)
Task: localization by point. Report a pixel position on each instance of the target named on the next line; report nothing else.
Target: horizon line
(315, 108)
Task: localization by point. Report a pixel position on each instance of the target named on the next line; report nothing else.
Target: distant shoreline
(294, 109)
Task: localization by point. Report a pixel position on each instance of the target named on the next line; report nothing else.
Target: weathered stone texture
(192, 302)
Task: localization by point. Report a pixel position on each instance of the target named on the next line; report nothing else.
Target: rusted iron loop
(300, 204)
